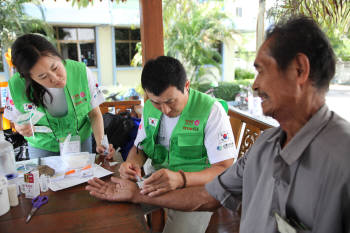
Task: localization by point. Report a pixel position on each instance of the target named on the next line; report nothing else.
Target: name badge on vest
(283, 226)
(152, 121)
(70, 144)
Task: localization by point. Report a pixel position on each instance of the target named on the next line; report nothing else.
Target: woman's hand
(25, 130)
(129, 171)
(100, 149)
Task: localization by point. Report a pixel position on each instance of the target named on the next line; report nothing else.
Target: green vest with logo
(186, 147)
(76, 120)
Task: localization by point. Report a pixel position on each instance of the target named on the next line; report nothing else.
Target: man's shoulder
(336, 135)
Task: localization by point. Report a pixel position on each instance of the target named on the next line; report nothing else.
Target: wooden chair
(245, 130)
(132, 106)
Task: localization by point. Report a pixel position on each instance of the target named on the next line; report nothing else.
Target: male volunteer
(296, 177)
(185, 133)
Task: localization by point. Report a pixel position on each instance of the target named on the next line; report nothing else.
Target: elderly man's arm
(122, 190)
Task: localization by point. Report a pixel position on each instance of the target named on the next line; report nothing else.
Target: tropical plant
(223, 90)
(243, 74)
(193, 33)
(332, 15)
(14, 22)
(86, 3)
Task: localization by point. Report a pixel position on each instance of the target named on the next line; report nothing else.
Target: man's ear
(302, 67)
(187, 85)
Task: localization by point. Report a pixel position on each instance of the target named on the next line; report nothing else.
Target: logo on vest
(189, 125)
(80, 102)
(29, 107)
(152, 121)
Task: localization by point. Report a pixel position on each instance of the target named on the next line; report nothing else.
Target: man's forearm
(207, 175)
(187, 199)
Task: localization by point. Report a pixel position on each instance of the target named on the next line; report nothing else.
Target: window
(125, 45)
(78, 44)
(239, 11)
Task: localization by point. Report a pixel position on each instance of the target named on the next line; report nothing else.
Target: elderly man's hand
(162, 181)
(115, 190)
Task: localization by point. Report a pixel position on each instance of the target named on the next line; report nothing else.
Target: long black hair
(26, 51)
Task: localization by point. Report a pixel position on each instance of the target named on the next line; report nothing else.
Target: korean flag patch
(224, 136)
(29, 107)
(152, 121)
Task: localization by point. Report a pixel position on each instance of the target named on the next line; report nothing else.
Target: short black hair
(160, 73)
(301, 34)
(25, 53)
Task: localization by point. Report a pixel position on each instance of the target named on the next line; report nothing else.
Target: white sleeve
(141, 134)
(219, 140)
(11, 112)
(95, 92)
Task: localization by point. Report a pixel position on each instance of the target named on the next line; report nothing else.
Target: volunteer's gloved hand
(25, 130)
(162, 181)
(100, 149)
(129, 171)
(115, 190)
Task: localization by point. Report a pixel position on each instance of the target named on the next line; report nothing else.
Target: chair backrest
(132, 106)
(245, 130)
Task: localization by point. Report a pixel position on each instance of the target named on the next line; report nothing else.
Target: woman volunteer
(62, 94)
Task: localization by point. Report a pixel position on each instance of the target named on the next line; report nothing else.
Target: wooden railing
(245, 129)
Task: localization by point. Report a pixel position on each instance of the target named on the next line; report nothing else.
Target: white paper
(59, 181)
(74, 180)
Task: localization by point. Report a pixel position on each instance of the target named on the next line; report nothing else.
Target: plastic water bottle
(7, 158)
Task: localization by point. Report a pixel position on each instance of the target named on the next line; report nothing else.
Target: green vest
(186, 147)
(78, 100)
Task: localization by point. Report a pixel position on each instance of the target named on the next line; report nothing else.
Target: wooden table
(74, 210)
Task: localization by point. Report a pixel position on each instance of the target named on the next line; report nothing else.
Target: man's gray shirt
(307, 181)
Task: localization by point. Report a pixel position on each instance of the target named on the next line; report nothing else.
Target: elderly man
(296, 177)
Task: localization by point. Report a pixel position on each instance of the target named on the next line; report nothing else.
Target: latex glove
(162, 181)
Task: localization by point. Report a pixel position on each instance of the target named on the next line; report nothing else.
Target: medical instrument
(37, 203)
(140, 180)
